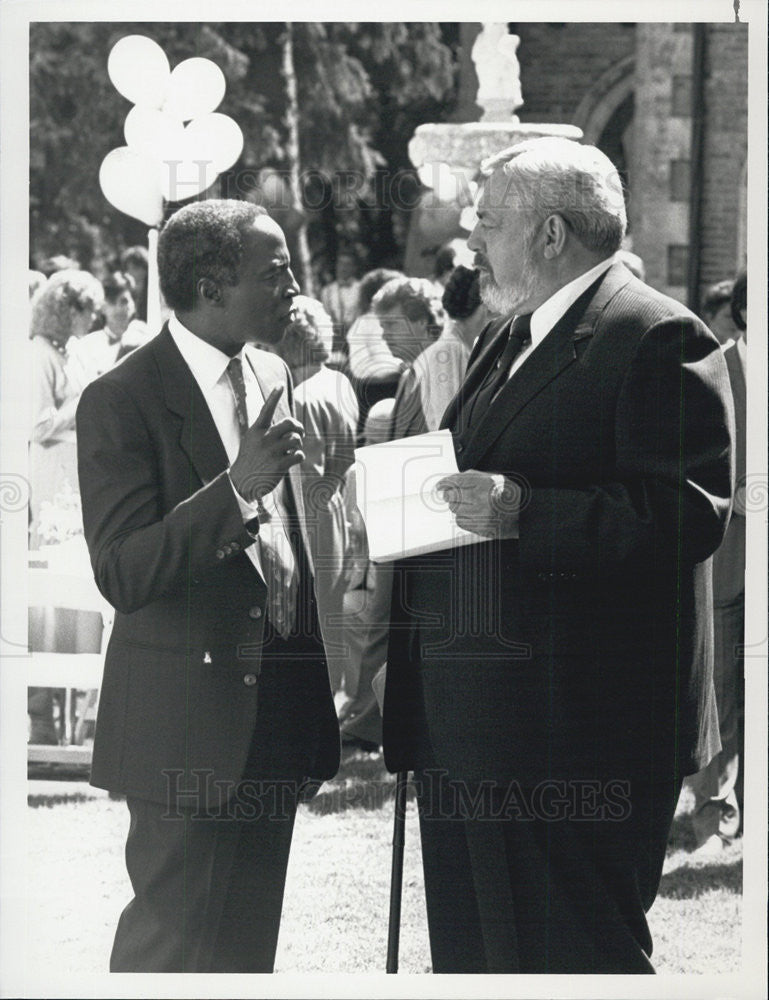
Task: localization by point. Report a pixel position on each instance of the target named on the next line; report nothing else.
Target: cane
(396, 876)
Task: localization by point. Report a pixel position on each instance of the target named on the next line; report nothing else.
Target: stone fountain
(463, 145)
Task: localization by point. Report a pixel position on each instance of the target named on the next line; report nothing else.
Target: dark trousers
(208, 887)
(208, 892)
(530, 881)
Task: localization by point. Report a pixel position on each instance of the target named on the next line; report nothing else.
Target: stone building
(668, 104)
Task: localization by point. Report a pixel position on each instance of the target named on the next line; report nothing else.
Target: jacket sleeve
(674, 470)
(138, 552)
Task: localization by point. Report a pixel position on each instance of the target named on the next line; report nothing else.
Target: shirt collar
(544, 318)
(206, 362)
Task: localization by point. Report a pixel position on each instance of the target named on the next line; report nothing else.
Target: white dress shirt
(209, 367)
(544, 318)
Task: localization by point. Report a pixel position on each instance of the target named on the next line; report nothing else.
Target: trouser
(208, 887)
(514, 884)
(717, 791)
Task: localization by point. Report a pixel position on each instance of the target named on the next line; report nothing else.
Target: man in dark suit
(552, 685)
(215, 707)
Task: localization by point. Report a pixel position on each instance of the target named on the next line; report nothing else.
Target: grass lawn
(336, 905)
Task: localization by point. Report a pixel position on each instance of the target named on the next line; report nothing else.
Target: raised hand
(267, 451)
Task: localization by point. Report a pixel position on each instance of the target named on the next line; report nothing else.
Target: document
(398, 500)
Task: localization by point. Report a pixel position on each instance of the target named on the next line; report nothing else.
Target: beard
(507, 300)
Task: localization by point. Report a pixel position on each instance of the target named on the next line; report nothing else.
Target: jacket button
(249, 680)
(235, 546)
(255, 612)
(220, 553)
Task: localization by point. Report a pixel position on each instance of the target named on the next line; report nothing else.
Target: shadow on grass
(692, 882)
(47, 801)
(681, 836)
(362, 782)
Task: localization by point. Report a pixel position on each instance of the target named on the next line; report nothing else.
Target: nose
(474, 241)
(292, 288)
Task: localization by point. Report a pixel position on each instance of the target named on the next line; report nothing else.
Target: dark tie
(278, 563)
(519, 337)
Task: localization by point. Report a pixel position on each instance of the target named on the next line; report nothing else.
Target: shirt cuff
(248, 510)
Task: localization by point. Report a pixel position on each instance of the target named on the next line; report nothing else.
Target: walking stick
(396, 876)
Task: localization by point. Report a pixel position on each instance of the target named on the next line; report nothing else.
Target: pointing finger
(266, 413)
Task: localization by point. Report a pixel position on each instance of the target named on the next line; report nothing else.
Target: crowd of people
(173, 502)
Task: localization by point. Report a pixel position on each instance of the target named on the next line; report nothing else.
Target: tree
(360, 90)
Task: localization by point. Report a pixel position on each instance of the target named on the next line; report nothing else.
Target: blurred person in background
(63, 311)
(366, 610)
(374, 370)
(135, 261)
(440, 368)
(718, 788)
(58, 262)
(36, 280)
(327, 407)
(412, 318)
(340, 299)
(99, 350)
(717, 311)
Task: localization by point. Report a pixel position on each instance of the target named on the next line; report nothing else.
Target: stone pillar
(659, 208)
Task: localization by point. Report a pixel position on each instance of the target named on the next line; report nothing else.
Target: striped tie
(277, 556)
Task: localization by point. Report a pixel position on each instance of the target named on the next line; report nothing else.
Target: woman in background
(65, 307)
(327, 407)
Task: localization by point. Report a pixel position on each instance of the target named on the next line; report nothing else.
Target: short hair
(56, 304)
(444, 260)
(462, 294)
(416, 298)
(203, 240)
(553, 175)
(717, 296)
(134, 255)
(370, 284)
(116, 283)
(739, 300)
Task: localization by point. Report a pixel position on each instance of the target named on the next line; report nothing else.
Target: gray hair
(559, 176)
(55, 304)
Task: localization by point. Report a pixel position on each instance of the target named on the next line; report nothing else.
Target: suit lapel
(199, 437)
(556, 352)
(490, 340)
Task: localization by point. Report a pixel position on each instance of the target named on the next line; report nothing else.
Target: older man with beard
(551, 686)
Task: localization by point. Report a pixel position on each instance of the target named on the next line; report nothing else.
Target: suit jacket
(180, 691)
(729, 560)
(584, 648)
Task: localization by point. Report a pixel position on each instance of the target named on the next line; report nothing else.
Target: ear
(209, 292)
(554, 235)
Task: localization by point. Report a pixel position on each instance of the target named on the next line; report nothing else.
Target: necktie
(520, 335)
(277, 557)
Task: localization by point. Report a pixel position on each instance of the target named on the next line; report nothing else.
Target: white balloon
(218, 137)
(139, 69)
(186, 170)
(154, 133)
(130, 182)
(196, 88)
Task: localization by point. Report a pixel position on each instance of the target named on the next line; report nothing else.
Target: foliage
(363, 88)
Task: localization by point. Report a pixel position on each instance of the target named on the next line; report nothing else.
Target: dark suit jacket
(584, 649)
(729, 560)
(178, 701)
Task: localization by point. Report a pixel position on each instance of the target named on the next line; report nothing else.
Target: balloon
(186, 170)
(139, 69)
(218, 137)
(154, 133)
(196, 88)
(130, 182)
